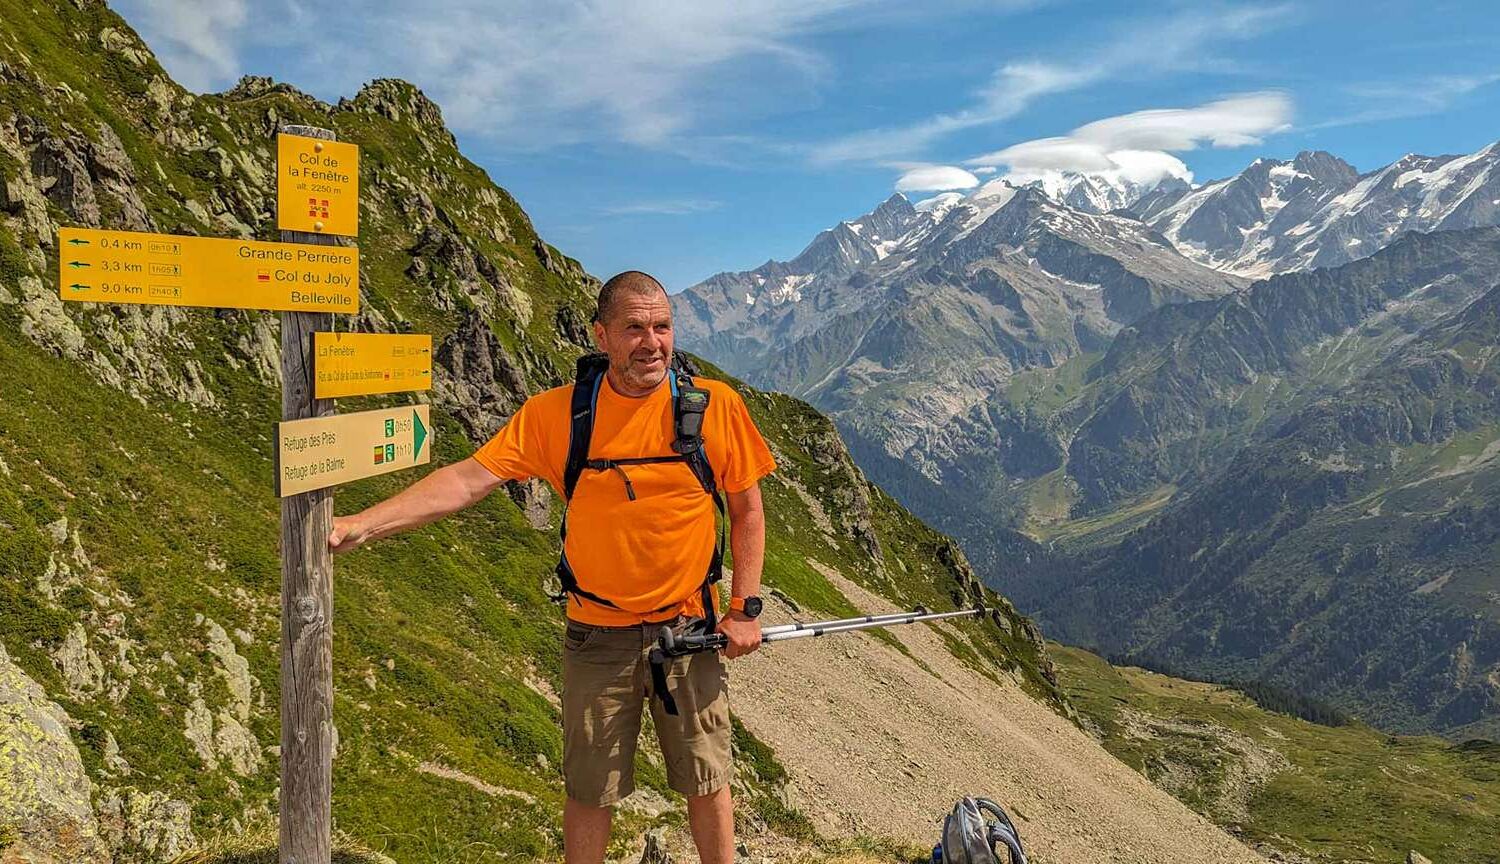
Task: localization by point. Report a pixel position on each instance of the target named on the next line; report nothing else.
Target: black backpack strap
(689, 407)
(586, 385)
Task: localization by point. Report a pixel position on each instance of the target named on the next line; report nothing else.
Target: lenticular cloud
(1137, 146)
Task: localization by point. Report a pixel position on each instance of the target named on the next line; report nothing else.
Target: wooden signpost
(308, 276)
(306, 599)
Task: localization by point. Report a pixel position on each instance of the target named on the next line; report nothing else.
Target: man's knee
(721, 795)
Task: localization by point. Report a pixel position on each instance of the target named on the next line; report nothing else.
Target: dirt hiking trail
(876, 745)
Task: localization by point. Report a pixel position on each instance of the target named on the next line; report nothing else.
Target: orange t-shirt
(652, 552)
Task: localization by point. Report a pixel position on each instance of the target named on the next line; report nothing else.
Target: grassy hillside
(139, 574)
(1327, 793)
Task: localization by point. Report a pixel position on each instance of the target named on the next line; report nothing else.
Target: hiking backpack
(969, 838)
(689, 404)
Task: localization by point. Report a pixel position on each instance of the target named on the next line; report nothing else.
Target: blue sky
(685, 137)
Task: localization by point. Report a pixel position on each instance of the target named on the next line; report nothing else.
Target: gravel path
(878, 746)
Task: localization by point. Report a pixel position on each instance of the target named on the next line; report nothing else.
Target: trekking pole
(672, 644)
(830, 627)
(694, 638)
(807, 625)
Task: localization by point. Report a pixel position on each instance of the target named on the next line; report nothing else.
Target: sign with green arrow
(326, 451)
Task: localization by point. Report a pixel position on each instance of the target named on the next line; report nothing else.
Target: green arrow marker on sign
(76, 287)
(78, 242)
(419, 435)
(79, 264)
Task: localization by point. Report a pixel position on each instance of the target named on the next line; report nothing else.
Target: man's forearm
(441, 493)
(747, 540)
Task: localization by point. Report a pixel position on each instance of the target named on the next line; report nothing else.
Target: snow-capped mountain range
(1317, 211)
(1314, 210)
(1092, 365)
(1008, 279)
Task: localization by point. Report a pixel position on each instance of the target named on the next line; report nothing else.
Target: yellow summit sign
(175, 270)
(317, 186)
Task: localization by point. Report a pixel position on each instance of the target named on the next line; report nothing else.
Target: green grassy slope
(1343, 793)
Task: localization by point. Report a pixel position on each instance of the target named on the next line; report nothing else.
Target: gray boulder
(45, 796)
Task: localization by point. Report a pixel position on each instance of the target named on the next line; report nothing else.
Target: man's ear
(599, 335)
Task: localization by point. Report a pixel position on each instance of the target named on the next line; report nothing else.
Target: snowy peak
(855, 243)
(1099, 193)
(1325, 168)
(1316, 210)
(729, 300)
(891, 218)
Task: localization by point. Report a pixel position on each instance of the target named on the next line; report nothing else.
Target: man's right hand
(347, 534)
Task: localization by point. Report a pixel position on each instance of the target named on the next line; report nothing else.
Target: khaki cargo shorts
(606, 682)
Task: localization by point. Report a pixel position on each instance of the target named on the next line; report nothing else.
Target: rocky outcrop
(45, 794)
(400, 102)
(483, 384)
(82, 174)
(145, 826)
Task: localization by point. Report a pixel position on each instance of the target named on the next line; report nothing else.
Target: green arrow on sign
(419, 435)
(79, 264)
(78, 242)
(76, 287)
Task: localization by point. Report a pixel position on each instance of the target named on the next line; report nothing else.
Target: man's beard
(638, 378)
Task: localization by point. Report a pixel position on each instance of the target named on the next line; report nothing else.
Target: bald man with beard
(641, 550)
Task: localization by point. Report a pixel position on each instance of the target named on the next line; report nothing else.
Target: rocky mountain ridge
(1315, 210)
(1346, 552)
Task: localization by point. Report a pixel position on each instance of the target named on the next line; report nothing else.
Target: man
(640, 540)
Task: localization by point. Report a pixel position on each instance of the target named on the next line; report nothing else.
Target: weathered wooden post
(306, 602)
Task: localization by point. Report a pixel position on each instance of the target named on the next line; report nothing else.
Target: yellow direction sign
(326, 451)
(173, 270)
(317, 185)
(361, 364)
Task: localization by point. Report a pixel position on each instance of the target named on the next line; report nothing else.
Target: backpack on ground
(973, 833)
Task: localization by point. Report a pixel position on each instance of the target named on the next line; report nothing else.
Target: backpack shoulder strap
(586, 384)
(689, 440)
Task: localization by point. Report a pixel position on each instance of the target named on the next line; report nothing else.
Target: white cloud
(1150, 47)
(672, 75)
(1395, 100)
(1134, 147)
(195, 39)
(935, 178)
(1232, 122)
(664, 207)
(1011, 89)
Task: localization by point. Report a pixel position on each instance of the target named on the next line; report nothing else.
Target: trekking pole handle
(670, 644)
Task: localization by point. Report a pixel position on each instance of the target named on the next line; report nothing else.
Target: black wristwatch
(749, 606)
